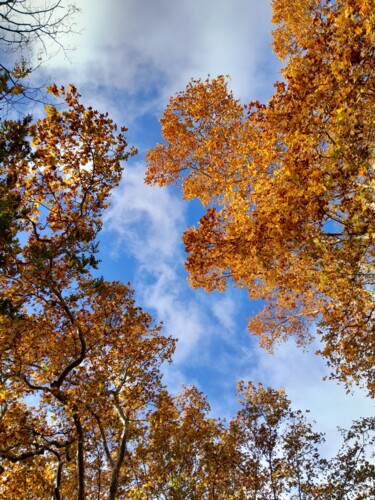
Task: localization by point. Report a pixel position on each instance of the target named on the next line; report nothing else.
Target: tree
(267, 451)
(289, 186)
(80, 363)
(276, 453)
(351, 474)
(91, 366)
(181, 455)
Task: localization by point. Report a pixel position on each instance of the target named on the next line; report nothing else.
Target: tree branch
(121, 453)
(80, 457)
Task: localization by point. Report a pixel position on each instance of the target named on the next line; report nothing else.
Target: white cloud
(224, 309)
(133, 44)
(148, 220)
(148, 223)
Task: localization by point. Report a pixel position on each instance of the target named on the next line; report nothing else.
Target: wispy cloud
(148, 220)
(148, 223)
(138, 45)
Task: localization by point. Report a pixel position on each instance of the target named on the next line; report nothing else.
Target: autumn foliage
(83, 411)
(289, 188)
(289, 185)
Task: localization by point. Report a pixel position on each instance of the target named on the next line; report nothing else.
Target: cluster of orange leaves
(289, 185)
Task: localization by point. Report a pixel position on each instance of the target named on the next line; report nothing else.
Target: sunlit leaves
(289, 185)
(61, 184)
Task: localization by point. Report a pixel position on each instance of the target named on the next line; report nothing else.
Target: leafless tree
(24, 22)
(29, 28)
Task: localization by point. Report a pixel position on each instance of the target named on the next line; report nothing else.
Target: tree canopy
(83, 409)
(289, 185)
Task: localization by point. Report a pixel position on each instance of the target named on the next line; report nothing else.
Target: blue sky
(130, 57)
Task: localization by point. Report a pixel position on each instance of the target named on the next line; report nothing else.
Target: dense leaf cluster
(289, 185)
